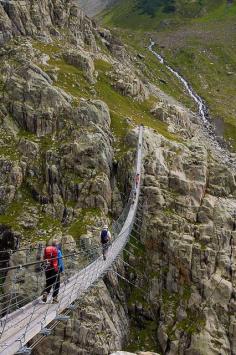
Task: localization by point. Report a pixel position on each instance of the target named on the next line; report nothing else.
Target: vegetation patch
(192, 324)
(84, 219)
(197, 39)
(150, 7)
(143, 338)
(127, 107)
(213, 77)
(47, 48)
(9, 152)
(153, 15)
(15, 214)
(72, 80)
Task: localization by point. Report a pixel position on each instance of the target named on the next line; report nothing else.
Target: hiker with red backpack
(105, 241)
(54, 266)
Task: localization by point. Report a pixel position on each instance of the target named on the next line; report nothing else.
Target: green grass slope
(156, 14)
(198, 39)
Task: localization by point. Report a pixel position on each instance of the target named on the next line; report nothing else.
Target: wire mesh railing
(23, 313)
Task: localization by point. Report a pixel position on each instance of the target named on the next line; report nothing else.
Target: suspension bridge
(19, 326)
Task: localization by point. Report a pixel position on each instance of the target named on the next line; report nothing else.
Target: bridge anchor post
(72, 307)
(45, 331)
(62, 318)
(24, 351)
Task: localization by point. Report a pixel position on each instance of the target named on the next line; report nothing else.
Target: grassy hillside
(156, 14)
(198, 38)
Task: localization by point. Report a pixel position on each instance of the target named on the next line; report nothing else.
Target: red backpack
(50, 255)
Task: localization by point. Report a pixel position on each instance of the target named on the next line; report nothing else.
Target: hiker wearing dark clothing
(105, 241)
(54, 266)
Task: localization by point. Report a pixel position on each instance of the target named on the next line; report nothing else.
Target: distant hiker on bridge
(137, 180)
(54, 265)
(105, 241)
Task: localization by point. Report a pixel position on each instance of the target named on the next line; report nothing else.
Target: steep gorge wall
(57, 155)
(188, 231)
(43, 19)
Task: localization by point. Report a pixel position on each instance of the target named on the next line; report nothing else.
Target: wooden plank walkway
(23, 324)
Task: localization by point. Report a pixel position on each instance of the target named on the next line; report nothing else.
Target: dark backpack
(104, 236)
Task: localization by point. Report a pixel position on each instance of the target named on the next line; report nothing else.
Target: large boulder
(34, 103)
(83, 61)
(128, 84)
(94, 112)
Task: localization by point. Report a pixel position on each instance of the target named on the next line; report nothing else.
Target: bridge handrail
(87, 277)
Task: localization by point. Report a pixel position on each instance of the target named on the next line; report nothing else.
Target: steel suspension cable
(25, 266)
(22, 301)
(90, 272)
(90, 279)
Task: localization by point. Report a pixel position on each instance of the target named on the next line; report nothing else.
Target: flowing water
(202, 108)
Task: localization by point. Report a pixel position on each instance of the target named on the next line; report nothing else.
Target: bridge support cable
(23, 301)
(128, 252)
(131, 283)
(73, 307)
(132, 245)
(24, 324)
(14, 280)
(138, 219)
(136, 240)
(133, 268)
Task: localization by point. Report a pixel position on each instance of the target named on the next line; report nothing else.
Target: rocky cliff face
(43, 20)
(70, 97)
(37, 115)
(189, 234)
(57, 153)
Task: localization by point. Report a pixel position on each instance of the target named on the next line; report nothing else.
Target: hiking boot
(104, 257)
(45, 297)
(54, 300)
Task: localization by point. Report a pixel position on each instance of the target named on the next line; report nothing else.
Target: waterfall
(203, 112)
